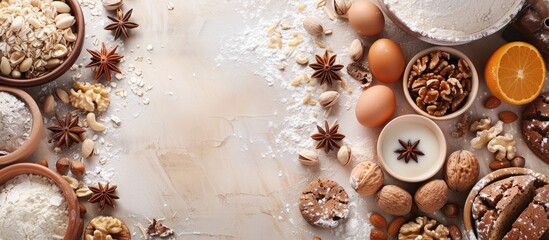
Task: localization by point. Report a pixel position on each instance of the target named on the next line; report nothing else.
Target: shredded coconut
(453, 20)
(15, 123)
(32, 207)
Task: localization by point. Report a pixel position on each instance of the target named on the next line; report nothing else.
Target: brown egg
(386, 60)
(375, 106)
(366, 18)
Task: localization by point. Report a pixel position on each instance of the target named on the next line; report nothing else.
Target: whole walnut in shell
(461, 171)
(394, 200)
(432, 196)
(366, 178)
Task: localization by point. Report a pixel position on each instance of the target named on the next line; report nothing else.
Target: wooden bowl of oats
(37, 47)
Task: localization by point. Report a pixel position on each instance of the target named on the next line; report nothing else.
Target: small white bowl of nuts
(440, 83)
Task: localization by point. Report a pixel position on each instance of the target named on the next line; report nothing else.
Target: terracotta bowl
(75, 224)
(420, 120)
(78, 28)
(28, 148)
(470, 98)
(485, 181)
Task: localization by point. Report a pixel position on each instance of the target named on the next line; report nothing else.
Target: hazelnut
(394, 200)
(43, 162)
(518, 161)
(366, 178)
(432, 196)
(82, 208)
(450, 210)
(77, 168)
(461, 171)
(62, 165)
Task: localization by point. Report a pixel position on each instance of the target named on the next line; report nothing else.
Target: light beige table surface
(212, 152)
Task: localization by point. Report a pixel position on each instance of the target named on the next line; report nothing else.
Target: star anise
(105, 61)
(67, 131)
(408, 151)
(327, 137)
(325, 69)
(103, 195)
(121, 24)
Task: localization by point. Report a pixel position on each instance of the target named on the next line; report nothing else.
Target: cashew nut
(486, 136)
(93, 124)
(505, 146)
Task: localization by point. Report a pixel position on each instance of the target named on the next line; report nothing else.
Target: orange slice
(515, 73)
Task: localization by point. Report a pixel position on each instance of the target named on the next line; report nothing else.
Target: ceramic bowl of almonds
(39, 40)
(37, 203)
(21, 125)
(440, 83)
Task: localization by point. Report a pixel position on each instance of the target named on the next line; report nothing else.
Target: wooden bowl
(470, 230)
(28, 148)
(124, 235)
(79, 29)
(75, 224)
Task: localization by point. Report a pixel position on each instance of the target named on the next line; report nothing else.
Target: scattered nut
(62, 95)
(89, 97)
(93, 124)
(366, 178)
(341, 7)
(455, 233)
(378, 235)
(480, 125)
(485, 136)
(507, 116)
(423, 228)
(395, 225)
(49, 104)
(461, 171)
(83, 192)
(356, 50)
(77, 168)
(62, 165)
(432, 196)
(462, 126)
(360, 72)
(378, 221)
(88, 147)
(108, 225)
(82, 208)
(73, 183)
(394, 200)
(492, 102)
(450, 210)
(518, 161)
(313, 26)
(497, 164)
(344, 155)
(43, 162)
(303, 60)
(328, 99)
(308, 157)
(504, 146)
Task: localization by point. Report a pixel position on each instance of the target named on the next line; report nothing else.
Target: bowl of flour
(451, 22)
(37, 203)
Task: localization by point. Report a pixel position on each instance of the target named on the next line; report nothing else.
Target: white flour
(15, 123)
(451, 19)
(32, 207)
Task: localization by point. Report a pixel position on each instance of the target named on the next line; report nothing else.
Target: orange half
(515, 73)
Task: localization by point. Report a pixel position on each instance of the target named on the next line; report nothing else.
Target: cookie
(535, 126)
(324, 203)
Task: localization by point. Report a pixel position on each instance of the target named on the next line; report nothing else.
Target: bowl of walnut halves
(440, 83)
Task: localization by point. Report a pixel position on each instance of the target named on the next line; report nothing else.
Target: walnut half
(423, 228)
(89, 97)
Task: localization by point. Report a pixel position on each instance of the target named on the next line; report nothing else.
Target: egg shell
(386, 60)
(375, 106)
(366, 18)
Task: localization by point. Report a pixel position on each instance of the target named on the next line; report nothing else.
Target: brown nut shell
(461, 171)
(432, 196)
(394, 200)
(366, 178)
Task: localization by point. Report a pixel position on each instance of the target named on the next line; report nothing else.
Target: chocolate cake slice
(533, 222)
(498, 205)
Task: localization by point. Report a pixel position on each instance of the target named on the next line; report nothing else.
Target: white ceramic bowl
(470, 98)
(429, 124)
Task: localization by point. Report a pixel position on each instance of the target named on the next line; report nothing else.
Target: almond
(378, 235)
(507, 116)
(455, 233)
(394, 226)
(496, 164)
(492, 102)
(378, 220)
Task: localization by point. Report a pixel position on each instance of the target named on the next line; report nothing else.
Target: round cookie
(324, 203)
(535, 126)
